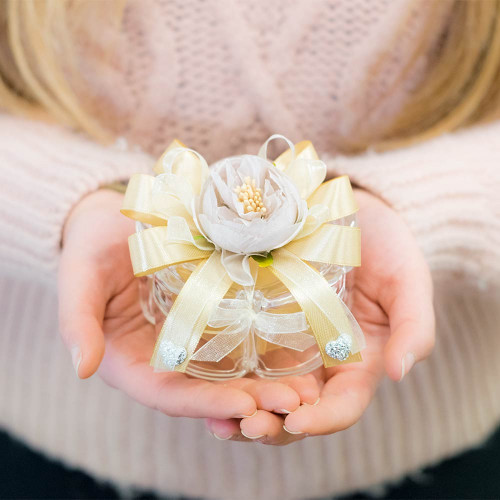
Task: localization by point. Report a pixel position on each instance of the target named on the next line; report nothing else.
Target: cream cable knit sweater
(222, 76)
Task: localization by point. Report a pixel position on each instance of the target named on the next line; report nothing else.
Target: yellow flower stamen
(251, 196)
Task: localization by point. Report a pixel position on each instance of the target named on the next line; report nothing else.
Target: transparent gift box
(244, 266)
(256, 353)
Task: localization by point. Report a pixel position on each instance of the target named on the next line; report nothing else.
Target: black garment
(27, 474)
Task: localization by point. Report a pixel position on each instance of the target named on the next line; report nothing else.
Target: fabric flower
(248, 207)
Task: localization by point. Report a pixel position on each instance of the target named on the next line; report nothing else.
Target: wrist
(95, 202)
(119, 187)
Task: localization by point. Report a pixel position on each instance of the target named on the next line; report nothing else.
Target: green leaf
(263, 260)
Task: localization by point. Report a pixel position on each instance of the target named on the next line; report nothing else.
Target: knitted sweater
(222, 76)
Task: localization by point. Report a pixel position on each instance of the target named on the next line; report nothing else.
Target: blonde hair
(462, 86)
(37, 59)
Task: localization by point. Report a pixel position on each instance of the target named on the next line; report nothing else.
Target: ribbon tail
(190, 313)
(322, 306)
(357, 333)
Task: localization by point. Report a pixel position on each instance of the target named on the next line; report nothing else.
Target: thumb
(81, 309)
(408, 304)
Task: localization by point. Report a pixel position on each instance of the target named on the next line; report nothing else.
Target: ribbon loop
(227, 312)
(330, 244)
(224, 342)
(263, 149)
(281, 323)
(151, 251)
(158, 167)
(239, 320)
(337, 195)
(178, 231)
(174, 186)
(307, 175)
(295, 341)
(146, 202)
(302, 150)
(138, 201)
(185, 163)
(317, 215)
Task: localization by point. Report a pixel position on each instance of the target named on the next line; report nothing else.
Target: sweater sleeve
(44, 171)
(447, 190)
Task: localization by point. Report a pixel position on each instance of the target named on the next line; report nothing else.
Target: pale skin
(103, 327)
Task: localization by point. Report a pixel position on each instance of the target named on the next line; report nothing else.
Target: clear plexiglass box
(248, 308)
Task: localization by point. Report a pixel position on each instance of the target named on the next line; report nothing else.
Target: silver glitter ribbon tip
(339, 348)
(171, 354)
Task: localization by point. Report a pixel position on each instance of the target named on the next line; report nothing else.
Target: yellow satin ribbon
(337, 195)
(138, 201)
(141, 203)
(330, 244)
(320, 241)
(191, 311)
(150, 251)
(303, 149)
(321, 305)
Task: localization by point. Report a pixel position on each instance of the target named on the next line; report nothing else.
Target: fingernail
(246, 416)
(313, 404)
(407, 363)
(282, 410)
(291, 432)
(220, 438)
(76, 357)
(252, 437)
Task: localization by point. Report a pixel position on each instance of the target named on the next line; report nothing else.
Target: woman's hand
(102, 325)
(392, 301)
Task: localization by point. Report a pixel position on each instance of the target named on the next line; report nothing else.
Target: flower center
(250, 196)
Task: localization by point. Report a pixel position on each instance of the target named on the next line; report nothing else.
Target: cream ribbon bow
(165, 203)
(242, 316)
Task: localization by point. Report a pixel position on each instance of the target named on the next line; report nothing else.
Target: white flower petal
(238, 267)
(223, 190)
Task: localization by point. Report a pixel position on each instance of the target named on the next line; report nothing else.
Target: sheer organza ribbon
(165, 202)
(240, 319)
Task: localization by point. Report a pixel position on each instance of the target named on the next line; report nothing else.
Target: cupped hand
(392, 301)
(102, 325)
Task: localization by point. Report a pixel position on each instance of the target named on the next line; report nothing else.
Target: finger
(181, 396)
(306, 386)
(81, 309)
(225, 430)
(267, 428)
(272, 396)
(411, 317)
(175, 394)
(343, 400)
